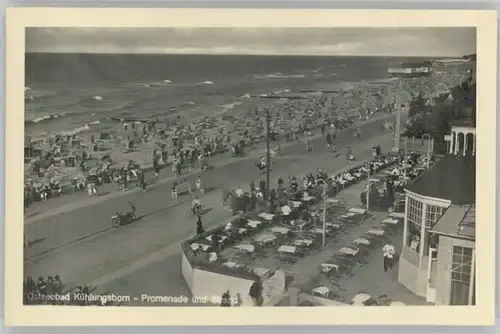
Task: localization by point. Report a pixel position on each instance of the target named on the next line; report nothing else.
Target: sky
(410, 42)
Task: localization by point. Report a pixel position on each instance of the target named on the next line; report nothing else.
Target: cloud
(272, 41)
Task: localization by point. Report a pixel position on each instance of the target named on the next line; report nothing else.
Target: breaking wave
(279, 76)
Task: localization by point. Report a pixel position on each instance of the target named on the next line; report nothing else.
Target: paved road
(135, 249)
(42, 210)
(54, 231)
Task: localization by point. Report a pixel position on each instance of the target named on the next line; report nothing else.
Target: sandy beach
(118, 133)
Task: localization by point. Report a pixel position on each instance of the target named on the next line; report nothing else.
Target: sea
(76, 92)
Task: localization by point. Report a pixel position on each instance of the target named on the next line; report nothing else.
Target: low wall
(187, 271)
(212, 286)
(411, 276)
(305, 299)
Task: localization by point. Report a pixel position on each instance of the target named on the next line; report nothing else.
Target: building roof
(452, 178)
(458, 221)
(466, 122)
(465, 93)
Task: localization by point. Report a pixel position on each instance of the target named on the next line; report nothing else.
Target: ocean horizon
(64, 91)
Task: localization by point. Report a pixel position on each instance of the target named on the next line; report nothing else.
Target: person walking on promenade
(388, 252)
(226, 299)
(199, 226)
(199, 186)
(156, 169)
(252, 186)
(125, 179)
(225, 197)
(142, 181)
(174, 191)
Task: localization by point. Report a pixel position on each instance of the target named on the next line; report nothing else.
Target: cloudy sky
(432, 42)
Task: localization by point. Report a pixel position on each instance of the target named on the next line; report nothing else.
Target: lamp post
(268, 153)
(397, 130)
(324, 212)
(368, 189)
(427, 137)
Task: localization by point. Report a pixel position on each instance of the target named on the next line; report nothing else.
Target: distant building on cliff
(411, 70)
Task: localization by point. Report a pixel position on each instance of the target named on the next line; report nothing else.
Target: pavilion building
(437, 260)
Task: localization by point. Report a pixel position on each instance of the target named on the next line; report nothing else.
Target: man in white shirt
(285, 210)
(389, 252)
(239, 192)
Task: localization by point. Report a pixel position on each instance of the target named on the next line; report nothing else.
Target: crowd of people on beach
(191, 144)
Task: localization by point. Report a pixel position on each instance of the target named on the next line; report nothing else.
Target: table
(321, 290)
(265, 238)
(254, 223)
(358, 211)
(302, 242)
(327, 267)
(261, 272)
(396, 303)
(280, 230)
(266, 216)
(361, 299)
(317, 230)
(194, 246)
(287, 249)
(390, 221)
(348, 215)
(361, 241)
(222, 238)
(397, 215)
(374, 180)
(232, 264)
(245, 248)
(377, 232)
(349, 251)
(332, 201)
(334, 225)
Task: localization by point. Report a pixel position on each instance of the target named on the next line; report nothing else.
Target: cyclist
(196, 205)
